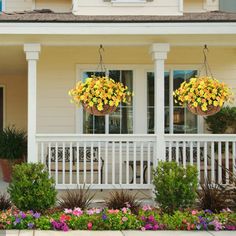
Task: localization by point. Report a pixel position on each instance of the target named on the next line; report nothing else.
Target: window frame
(171, 68)
(4, 104)
(93, 67)
(3, 6)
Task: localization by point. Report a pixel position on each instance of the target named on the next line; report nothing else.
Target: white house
(150, 45)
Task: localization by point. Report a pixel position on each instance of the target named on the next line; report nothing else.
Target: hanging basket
(198, 110)
(94, 111)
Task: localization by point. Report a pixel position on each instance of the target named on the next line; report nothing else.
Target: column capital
(32, 51)
(159, 51)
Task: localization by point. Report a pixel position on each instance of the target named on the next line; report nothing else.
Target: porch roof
(49, 16)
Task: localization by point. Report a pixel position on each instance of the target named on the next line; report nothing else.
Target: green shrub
(31, 188)
(175, 186)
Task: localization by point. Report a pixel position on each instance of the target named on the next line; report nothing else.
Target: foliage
(203, 92)
(80, 197)
(121, 199)
(5, 202)
(225, 118)
(175, 186)
(212, 196)
(13, 143)
(108, 219)
(31, 188)
(100, 91)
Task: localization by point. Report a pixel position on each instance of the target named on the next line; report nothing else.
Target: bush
(121, 199)
(31, 188)
(212, 196)
(5, 202)
(175, 186)
(80, 197)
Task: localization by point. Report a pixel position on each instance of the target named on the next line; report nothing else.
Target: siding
(201, 5)
(57, 74)
(54, 5)
(101, 7)
(18, 5)
(228, 5)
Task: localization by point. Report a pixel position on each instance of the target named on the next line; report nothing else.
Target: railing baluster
(191, 153)
(184, 154)
(42, 152)
(91, 161)
(199, 161)
(141, 164)
(77, 163)
(71, 156)
(63, 163)
(49, 159)
(56, 166)
(120, 162)
(170, 151)
(227, 162)
(219, 163)
(85, 162)
(149, 164)
(177, 152)
(99, 163)
(213, 162)
(106, 162)
(113, 163)
(205, 161)
(134, 166)
(234, 157)
(127, 163)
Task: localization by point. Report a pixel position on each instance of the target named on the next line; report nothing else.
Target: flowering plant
(100, 92)
(204, 92)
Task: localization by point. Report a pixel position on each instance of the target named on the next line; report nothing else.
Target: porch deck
(126, 161)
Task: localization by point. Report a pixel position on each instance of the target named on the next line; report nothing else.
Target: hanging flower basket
(100, 96)
(203, 96)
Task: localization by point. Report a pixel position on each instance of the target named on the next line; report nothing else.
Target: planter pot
(94, 111)
(198, 110)
(6, 166)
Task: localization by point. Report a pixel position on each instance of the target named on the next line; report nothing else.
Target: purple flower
(104, 216)
(216, 224)
(148, 226)
(60, 226)
(151, 218)
(155, 227)
(36, 215)
(17, 221)
(22, 215)
(230, 227)
(30, 225)
(208, 211)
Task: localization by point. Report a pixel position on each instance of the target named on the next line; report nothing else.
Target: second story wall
(200, 5)
(128, 7)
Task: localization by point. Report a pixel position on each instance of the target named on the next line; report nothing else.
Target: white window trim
(4, 105)
(93, 67)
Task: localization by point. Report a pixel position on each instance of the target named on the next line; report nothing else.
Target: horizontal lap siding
(54, 5)
(18, 5)
(57, 74)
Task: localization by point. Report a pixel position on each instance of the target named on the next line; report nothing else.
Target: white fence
(126, 161)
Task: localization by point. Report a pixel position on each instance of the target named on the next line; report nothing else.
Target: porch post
(159, 54)
(32, 55)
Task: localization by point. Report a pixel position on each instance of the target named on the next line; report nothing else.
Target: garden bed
(96, 219)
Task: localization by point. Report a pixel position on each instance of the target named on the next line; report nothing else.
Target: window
(0, 5)
(183, 121)
(228, 5)
(118, 122)
(1, 108)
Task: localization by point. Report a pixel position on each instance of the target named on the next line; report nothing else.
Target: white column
(75, 4)
(159, 54)
(32, 55)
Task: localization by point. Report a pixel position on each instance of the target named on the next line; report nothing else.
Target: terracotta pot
(198, 110)
(94, 111)
(6, 166)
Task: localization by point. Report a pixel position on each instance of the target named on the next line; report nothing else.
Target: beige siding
(57, 74)
(15, 100)
(18, 5)
(101, 7)
(54, 5)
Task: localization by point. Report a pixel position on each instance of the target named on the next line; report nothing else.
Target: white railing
(101, 161)
(214, 155)
(126, 161)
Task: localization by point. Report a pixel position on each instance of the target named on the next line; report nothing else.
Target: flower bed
(109, 219)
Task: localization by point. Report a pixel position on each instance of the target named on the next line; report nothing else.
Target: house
(150, 45)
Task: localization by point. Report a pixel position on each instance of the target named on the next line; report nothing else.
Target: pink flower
(124, 218)
(143, 229)
(68, 211)
(127, 205)
(77, 212)
(194, 212)
(124, 210)
(90, 225)
(146, 208)
(111, 211)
